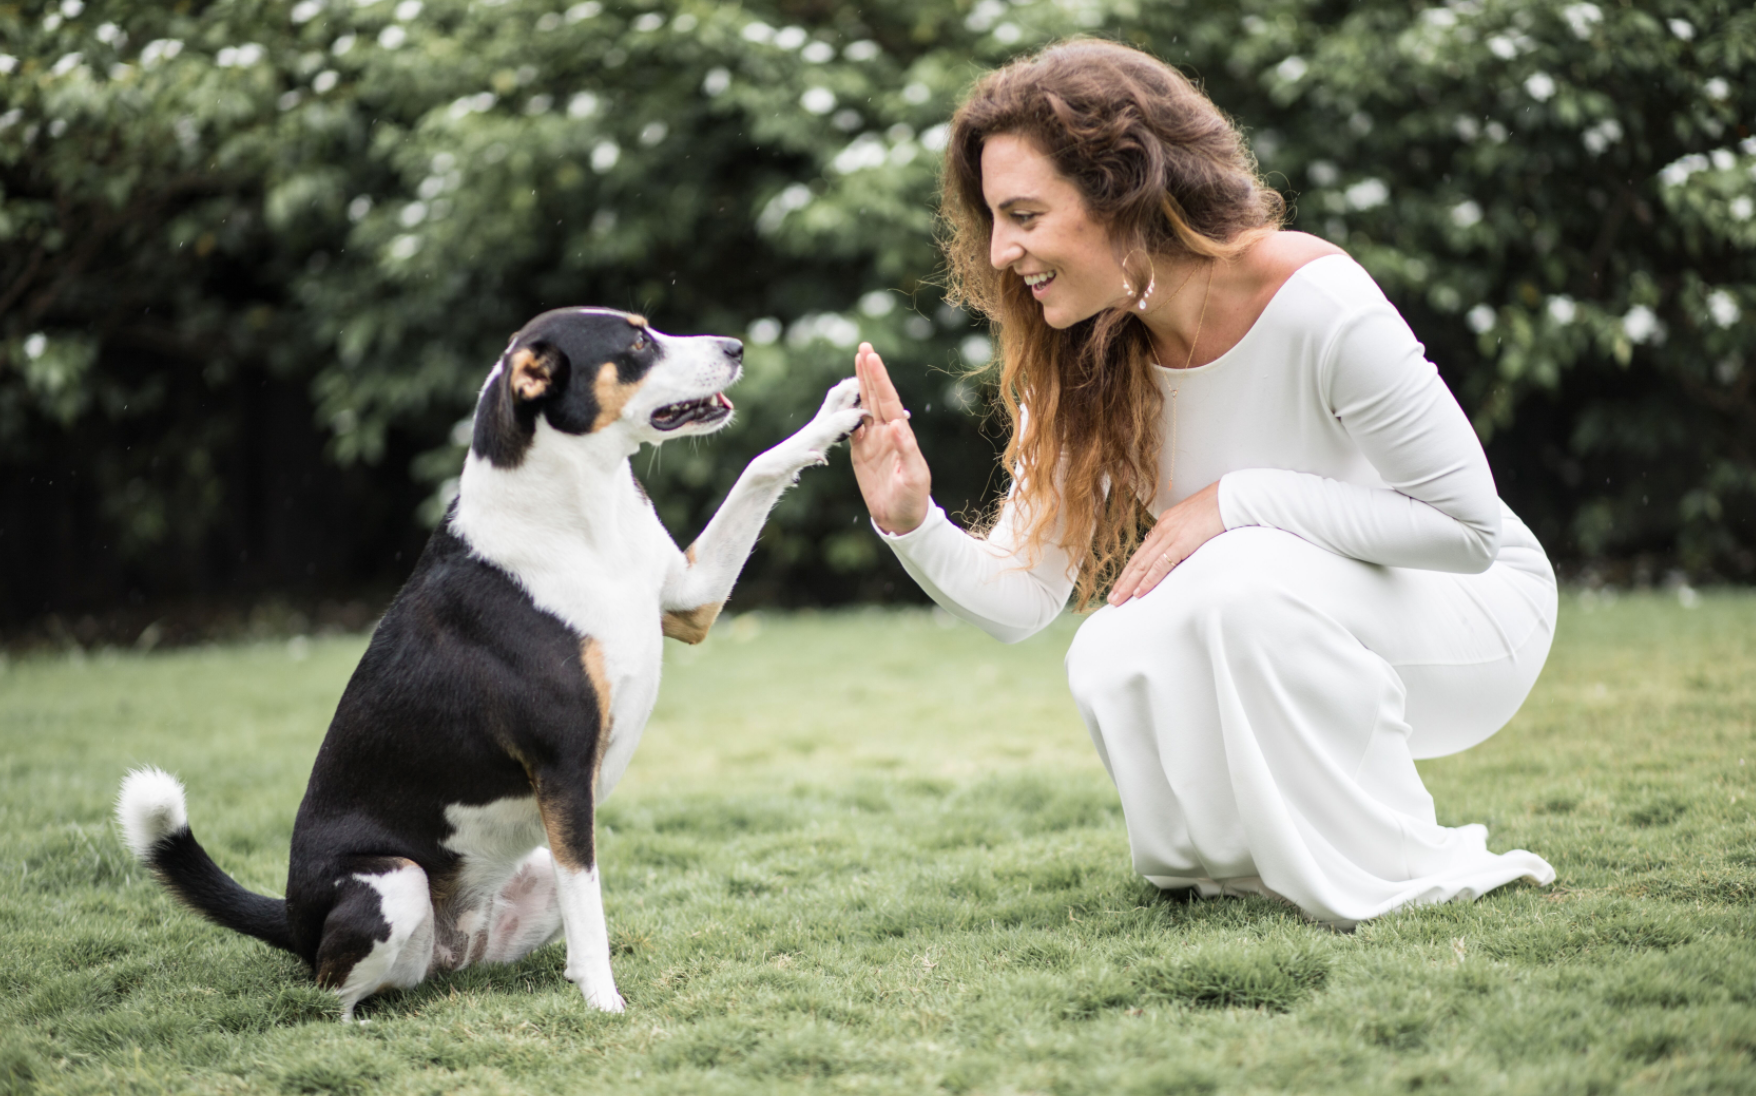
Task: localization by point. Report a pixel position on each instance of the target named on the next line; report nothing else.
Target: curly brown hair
(1169, 175)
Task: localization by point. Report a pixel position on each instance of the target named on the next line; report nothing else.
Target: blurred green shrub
(354, 203)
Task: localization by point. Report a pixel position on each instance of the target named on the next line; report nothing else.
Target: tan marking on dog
(532, 372)
(563, 842)
(636, 320)
(689, 554)
(690, 625)
(612, 395)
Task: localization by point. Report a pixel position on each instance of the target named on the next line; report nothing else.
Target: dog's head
(595, 371)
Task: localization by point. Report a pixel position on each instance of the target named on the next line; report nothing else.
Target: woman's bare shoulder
(1279, 255)
(1273, 259)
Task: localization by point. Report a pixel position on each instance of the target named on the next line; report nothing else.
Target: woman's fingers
(887, 404)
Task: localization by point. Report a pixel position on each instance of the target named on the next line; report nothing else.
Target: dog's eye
(641, 342)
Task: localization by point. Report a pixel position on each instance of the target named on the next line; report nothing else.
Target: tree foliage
(330, 214)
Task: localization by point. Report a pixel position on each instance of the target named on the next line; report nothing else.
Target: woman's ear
(536, 371)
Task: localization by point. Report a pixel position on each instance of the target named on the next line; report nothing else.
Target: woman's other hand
(1180, 530)
(893, 475)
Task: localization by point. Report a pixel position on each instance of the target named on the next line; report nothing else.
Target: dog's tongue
(721, 396)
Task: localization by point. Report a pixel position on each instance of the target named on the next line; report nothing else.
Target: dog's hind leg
(379, 933)
(526, 913)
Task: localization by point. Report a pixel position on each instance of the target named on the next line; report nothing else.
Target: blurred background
(256, 257)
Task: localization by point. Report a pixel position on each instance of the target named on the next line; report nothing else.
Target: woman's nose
(1003, 250)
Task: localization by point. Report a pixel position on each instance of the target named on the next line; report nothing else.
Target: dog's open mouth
(707, 409)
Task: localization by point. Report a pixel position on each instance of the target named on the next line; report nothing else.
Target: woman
(1331, 587)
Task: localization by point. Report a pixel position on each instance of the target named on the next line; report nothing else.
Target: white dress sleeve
(983, 580)
(1441, 512)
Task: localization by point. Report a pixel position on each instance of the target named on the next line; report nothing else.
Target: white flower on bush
(604, 155)
(984, 15)
(863, 50)
(392, 37)
(1641, 325)
(818, 100)
(878, 303)
(583, 105)
(1562, 309)
(1682, 28)
(478, 103)
(1723, 308)
(404, 247)
(66, 64)
(324, 82)
(818, 52)
(1480, 319)
(1716, 89)
(1502, 47)
(1367, 194)
(765, 331)
(717, 81)
(1602, 136)
(934, 138)
(1581, 18)
(306, 10)
(793, 198)
(1741, 207)
(358, 208)
(1466, 214)
(1677, 172)
(35, 345)
(7, 64)
(790, 37)
(239, 56)
(977, 349)
(1292, 69)
(408, 9)
(837, 329)
(866, 151)
(588, 10)
(1540, 86)
(758, 32)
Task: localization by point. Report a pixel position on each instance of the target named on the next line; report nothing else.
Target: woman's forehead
(1015, 170)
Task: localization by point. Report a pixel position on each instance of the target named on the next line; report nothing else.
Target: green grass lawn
(867, 852)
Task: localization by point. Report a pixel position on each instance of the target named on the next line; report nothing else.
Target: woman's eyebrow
(1010, 202)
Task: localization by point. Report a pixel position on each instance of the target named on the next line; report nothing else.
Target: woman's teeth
(1035, 280)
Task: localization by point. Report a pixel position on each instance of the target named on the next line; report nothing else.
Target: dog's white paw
(839, 416)
(604, 1000)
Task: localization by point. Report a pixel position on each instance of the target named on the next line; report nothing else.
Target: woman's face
(1043, 233)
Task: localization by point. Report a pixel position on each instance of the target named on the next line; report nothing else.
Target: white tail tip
(149, 808)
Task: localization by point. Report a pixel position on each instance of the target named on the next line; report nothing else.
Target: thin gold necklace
(1187, 362)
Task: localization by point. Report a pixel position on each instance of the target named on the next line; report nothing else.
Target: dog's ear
(536, 371)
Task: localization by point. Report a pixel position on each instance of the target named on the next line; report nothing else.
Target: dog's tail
(155, 823)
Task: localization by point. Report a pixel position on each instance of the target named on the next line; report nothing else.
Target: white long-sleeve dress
(1372, 601)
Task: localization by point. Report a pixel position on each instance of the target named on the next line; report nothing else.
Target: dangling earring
(1151, 279)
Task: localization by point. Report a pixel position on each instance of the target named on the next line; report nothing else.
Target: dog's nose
(733, 349)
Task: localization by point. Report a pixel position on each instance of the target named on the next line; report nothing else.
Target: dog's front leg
(700, 584)
(565, 799)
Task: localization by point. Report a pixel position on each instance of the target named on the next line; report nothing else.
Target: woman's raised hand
(893, 475)
(1180, 530)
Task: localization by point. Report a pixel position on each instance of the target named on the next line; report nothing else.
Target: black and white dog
(448, 820)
